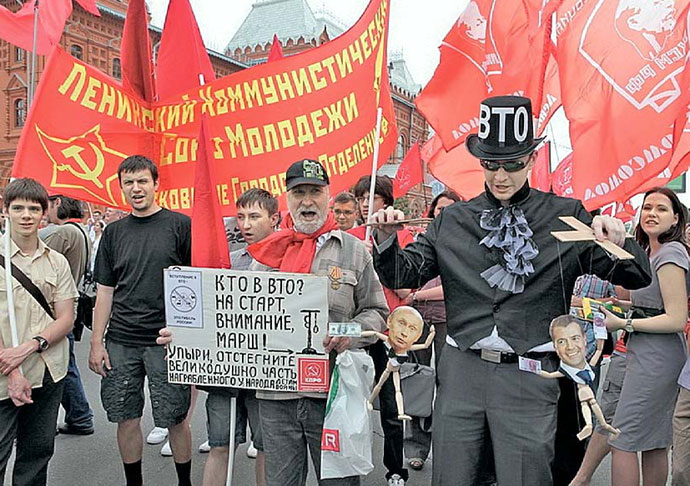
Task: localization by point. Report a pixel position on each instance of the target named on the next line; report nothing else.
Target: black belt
(503, 357)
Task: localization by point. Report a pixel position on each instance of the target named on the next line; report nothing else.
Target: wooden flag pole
(32, 78)
(233, 400)
(231, 445)
(374, 165)
(9, 285)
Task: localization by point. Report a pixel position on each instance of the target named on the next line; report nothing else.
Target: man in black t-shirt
(129, 267)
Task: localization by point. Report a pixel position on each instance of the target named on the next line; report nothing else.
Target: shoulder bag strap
(29, 286)
(86, 242)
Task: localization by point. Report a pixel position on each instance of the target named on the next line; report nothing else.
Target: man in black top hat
(499, 263)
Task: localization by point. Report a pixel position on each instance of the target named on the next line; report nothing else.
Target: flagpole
(555, 146)
(9, 285)
(374, 165)
(233, 400)
(426, 201)
(32, 77)
(231, 445)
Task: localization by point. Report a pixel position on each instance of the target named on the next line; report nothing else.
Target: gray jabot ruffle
(509, 231)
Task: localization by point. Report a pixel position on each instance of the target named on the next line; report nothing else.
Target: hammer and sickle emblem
(74, 152)
(73, 159)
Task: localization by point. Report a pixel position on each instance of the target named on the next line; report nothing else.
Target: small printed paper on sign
(183, 298)
(598, 318)
(529, 365)
(348, 329)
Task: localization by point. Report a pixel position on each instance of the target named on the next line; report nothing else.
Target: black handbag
(418, 383)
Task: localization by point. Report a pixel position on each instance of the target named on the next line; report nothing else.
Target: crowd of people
(486, 275)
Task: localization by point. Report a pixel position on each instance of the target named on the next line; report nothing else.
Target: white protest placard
(258, 330)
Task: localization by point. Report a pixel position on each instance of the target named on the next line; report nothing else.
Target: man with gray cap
(311, 242)
(499, 263)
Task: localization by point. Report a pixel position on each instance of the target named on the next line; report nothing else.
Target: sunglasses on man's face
(514, 165)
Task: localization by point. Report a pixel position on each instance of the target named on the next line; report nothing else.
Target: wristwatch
(628, 326)
(42, 343)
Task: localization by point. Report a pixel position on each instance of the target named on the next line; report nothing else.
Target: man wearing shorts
(257, 216)
(129, 271)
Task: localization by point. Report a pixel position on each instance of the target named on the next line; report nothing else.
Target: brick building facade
(96, 41)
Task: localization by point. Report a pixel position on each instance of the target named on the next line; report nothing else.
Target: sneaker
(396, 480)
(166, 451)
(204, 448)
(157, 435)
(251, 451)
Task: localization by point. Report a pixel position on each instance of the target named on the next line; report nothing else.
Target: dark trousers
(33, 426)
(483, 405)
(391, 425)
(292, 431)
(77, 410)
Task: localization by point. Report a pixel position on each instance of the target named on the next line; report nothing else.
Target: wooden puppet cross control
(585, 233)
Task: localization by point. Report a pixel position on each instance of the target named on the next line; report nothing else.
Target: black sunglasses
(514, 165)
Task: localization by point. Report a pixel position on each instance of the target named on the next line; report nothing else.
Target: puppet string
(560, 269)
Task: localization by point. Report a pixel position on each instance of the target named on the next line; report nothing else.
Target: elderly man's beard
(309, 227)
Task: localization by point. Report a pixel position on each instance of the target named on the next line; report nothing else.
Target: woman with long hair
(656, 349)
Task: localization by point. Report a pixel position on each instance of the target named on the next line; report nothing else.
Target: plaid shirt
(358, 297)
(593, 287)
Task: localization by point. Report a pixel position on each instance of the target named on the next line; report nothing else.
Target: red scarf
(289, 250)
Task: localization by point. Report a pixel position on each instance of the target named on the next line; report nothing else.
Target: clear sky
(416, 26)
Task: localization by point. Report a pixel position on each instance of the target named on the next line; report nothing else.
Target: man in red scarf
(312, 243)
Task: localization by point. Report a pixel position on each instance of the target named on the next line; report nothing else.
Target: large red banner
(494, 48)
(320, 104)
(622, 69)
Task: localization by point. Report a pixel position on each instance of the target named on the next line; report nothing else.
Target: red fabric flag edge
(276, 50)
(209, 244)
(409, 173)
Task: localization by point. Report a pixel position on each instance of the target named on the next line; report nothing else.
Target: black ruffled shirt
(451, 248)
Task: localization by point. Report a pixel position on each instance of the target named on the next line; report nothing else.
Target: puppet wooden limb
(427, 343)
(597, 354)
(377, 389)
(600, 417)
(587, 415)
(379, 335)
(552, 374)
(399, 397)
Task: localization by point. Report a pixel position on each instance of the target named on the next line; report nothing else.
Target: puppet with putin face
(405, 327)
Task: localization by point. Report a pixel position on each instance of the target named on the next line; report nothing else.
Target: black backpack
(87, 299)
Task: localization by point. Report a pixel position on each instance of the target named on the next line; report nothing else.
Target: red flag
(18, 28)
(137, 65)
(255, 117)
(182, 56)
(494, 48)
(209, 244)
(409, 173)
(562, 177)
(90, 6)
(457, 168)
(551, 97)
(623, 211)
(622, 70)
(276, 50)
(541, 172)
